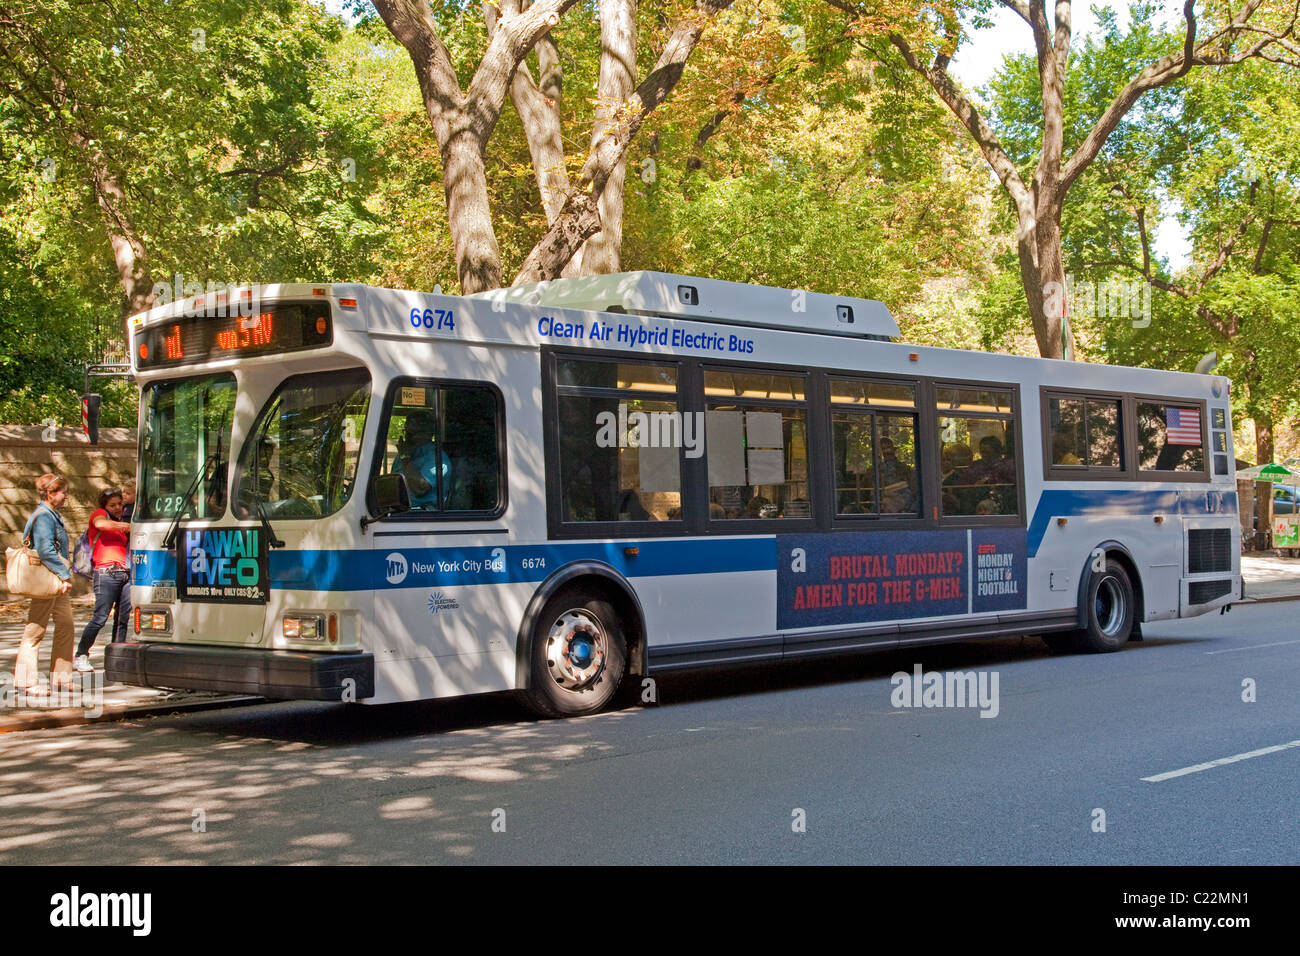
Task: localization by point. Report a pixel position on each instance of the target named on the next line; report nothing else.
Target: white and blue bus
(373, 495)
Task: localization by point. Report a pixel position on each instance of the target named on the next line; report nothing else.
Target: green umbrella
(1272, 471)
(1269, 472)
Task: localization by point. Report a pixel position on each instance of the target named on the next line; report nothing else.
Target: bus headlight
(149, 620)
(303, 627)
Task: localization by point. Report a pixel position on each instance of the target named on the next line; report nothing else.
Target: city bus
(373, 495)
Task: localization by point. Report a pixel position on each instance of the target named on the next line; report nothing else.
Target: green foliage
(1218, 149)
(1231, 167)
(832, 174)
(49, 328)
(245, 150)
(292, 145)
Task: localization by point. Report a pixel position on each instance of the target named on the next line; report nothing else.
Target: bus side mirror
(390, 495)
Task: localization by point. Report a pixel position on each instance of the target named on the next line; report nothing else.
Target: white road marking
(1252, 647)
(1220, 762)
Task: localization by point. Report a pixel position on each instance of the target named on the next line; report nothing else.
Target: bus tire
(578, 656)
(1109, 611)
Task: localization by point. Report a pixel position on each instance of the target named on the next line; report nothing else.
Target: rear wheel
(1110, 610)
(578, 656)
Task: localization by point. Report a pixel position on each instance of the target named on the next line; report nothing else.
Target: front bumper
(281, 675)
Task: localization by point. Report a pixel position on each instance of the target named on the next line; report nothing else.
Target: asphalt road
(808, 763)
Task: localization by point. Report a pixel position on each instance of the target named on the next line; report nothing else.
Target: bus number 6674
(433, 319)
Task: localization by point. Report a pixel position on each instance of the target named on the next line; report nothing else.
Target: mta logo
(396, 568)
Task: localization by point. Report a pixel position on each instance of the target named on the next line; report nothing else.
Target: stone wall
(25, 455)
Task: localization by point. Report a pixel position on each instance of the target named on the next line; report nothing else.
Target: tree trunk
(1263, 438)
(128, 248)
(540, 115)
(463, 121)
(1051, 275)
(580, 217)
(538, 105)
(1042, 277)
(469, 215)
(578, 221)
(1038, 204)
(602, 253)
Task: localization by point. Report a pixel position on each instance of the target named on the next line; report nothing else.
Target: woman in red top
(110, 556)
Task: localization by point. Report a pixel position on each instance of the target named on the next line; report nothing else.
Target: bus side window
(619, 432)
(444, 442)
(977, 442)
(756, 428)
(469, 440)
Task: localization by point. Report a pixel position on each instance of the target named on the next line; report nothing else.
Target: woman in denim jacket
(50, 542)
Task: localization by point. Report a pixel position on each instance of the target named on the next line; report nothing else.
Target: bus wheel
(1109, 609)
(579, 655)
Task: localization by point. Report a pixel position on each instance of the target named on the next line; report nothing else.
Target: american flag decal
(1184, 426)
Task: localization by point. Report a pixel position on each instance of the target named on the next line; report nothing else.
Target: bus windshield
(301, 460)
(187, 426)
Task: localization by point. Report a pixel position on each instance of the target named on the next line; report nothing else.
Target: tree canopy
(823, 146)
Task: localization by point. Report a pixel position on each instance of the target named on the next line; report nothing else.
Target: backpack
(82, 551)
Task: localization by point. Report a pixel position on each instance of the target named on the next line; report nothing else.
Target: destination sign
(193, 339)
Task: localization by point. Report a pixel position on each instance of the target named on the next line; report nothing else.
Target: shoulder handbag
(25, 575)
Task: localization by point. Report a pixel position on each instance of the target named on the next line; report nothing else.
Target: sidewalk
(102, 701)
(1268, 578)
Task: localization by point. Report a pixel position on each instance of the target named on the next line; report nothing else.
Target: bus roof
(714, 300)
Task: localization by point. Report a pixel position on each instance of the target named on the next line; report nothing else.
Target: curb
(71, 717)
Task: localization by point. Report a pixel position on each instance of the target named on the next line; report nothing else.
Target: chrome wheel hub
(1110, 607)
(575, 649)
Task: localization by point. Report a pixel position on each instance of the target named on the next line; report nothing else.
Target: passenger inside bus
(419, 460)
(1063, 450)
(897, 499)
(630, 507)
(992, 467)
(897, 481)
(984, 486)
(956, 459)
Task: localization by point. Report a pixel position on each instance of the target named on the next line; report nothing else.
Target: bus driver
(418, 461)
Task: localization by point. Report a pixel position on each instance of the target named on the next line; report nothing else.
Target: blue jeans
(112, 592)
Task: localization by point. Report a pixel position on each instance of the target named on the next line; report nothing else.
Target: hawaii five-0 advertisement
(221, 564)
(868, 576)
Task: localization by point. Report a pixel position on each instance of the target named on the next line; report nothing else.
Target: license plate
(163, 594)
